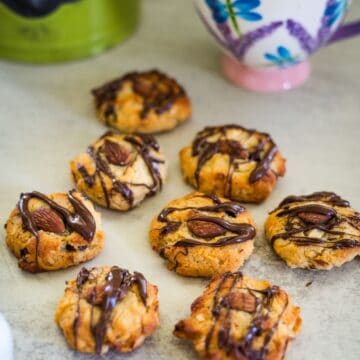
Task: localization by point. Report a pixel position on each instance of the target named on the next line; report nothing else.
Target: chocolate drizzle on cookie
(158, 92)
(81, 279)
(323, 196)
(211, 225)
(205, 148)
(80, 221)
(118, 282)
(143, 144)
(231, 296)
(319, 213)
(103, 157)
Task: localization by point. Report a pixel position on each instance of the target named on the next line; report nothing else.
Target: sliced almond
(116, 154)
(205, 229)
(48, 220)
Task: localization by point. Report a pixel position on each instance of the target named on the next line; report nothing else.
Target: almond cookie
(120, 171)
(53, 232)
(144, 102)
(316, 231)
(241, 318)
(108, 307)
(233, 162)
(203, 235)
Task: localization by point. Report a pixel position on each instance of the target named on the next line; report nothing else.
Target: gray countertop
(47, 118)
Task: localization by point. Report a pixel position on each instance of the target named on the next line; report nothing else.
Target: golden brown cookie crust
(316, 231)
(233, 162)
(120, 171)
(241, 318)
(203, 235)
(50, 236)
(108, 307)
(144, 102)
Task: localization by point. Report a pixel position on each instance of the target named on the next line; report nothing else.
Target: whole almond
(95, 294)
(48, 220)
(116, 154)
(233, 148)
(205, 229)
(313, 218)
(241, 301)
(144, 87)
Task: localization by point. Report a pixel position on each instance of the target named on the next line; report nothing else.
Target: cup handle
(345, 31)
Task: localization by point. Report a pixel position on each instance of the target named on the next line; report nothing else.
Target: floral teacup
(267, 42)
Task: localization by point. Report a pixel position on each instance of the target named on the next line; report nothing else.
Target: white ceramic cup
(280, 34)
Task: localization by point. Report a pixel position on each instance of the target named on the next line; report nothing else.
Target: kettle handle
(346, 31)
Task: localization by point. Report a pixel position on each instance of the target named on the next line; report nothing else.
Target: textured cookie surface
(233, 162)
(316, 231)
(144, 102)
(120, 171)
(203, 235)
(107, 307)
(241, 318)
(53, 232)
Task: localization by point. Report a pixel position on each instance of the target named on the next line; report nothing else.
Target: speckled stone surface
(47, 118)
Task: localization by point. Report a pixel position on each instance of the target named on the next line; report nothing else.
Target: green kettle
(44, 31)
